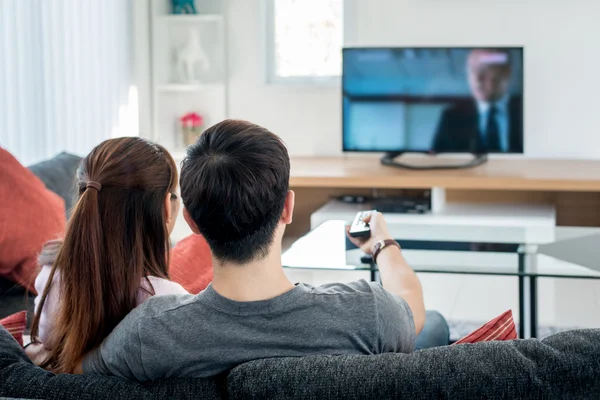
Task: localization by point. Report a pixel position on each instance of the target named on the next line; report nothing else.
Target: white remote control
(359, 229)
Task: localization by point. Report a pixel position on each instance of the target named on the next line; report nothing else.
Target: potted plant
(191, 125)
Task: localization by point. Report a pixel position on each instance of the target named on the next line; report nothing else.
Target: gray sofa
(563, 366)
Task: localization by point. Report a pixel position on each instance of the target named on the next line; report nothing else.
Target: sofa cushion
(15, 325)
(191, 264)
(21, 379)
(30, 216)
(58, 174)
(566, 365)
(500, 328)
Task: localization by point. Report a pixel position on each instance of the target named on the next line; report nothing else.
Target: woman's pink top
(47, 318)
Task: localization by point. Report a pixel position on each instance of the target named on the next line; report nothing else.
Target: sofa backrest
(563, 366)
(19, 378)
(566, 365)
(58, 174)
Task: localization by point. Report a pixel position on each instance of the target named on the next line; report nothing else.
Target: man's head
(489, 73)
(235, 188)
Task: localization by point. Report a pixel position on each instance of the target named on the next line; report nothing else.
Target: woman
(115, 253)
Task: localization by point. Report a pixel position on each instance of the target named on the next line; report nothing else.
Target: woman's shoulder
(163, 286)
(43, 277)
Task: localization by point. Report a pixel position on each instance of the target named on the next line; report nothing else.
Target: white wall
(562, 67)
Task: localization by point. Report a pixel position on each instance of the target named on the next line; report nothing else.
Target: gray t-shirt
(206, 334)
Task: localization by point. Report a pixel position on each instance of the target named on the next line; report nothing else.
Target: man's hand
(379, 231)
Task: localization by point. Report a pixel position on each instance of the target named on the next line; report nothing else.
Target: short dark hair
(234, 182)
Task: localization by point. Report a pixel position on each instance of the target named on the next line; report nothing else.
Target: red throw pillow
(30, 216)
(500, 328)
(191, 264)
(15, 325)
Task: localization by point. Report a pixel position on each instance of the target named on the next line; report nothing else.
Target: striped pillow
(15, 325)
(500, 328)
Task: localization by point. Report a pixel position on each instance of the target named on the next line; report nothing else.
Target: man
(494, 121)
(235, 188)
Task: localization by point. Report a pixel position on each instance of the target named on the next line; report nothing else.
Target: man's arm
(120, 354)
(397, 277)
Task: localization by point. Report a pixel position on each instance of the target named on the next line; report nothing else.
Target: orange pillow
(30, 216)
(500, 328)
(15, 325)
(191, 264)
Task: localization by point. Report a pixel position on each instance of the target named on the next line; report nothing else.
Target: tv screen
(433, 100)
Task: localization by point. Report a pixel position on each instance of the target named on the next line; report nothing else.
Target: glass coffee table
(327, 248)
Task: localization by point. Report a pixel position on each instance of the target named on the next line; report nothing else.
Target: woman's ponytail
(77, 327)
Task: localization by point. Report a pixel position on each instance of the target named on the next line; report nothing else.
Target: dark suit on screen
(460, 129)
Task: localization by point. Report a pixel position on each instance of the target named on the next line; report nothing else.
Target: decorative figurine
(184, 7)
(191, 60)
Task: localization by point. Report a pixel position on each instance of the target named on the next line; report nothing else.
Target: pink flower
(191, 120)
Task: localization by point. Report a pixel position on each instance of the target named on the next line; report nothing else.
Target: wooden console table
(572, 186)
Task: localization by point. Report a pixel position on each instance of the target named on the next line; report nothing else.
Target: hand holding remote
(378, 228)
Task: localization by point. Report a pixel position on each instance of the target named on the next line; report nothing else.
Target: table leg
(533, 306)
(373, 273)
(521, 296)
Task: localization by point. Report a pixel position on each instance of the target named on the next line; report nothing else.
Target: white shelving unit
(172, 98)
(182, 18)
(184, 87)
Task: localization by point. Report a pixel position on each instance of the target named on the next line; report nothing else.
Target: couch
(562, 366)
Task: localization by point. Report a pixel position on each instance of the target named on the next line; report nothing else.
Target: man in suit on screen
(493, 122)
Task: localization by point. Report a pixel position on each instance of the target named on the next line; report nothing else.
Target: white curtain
(65, 75)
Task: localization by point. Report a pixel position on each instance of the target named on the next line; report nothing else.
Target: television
(433, 100)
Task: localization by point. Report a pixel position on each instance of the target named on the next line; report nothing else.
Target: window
(65, 82)
(305, 39)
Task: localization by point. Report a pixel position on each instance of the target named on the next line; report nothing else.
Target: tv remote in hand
(359, 229)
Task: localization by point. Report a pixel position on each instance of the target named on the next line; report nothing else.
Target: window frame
(271, 78)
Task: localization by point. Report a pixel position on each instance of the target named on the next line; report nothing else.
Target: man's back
(204, 335)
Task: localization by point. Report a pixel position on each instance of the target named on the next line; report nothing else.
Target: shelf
(185, 87)
(189, 18)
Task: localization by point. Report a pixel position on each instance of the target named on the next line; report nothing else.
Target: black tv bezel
(430, 151)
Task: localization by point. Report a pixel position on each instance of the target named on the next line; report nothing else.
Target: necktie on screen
(492, 131)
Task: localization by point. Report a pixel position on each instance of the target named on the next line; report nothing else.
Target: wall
(559, 40)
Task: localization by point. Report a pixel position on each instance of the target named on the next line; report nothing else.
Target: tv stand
(390, 160)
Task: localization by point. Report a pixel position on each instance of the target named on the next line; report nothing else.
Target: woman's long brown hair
(116, 237)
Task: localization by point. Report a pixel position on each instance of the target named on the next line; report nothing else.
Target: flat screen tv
(433, 100)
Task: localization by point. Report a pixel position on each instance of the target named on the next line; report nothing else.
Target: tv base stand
(389, 159)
